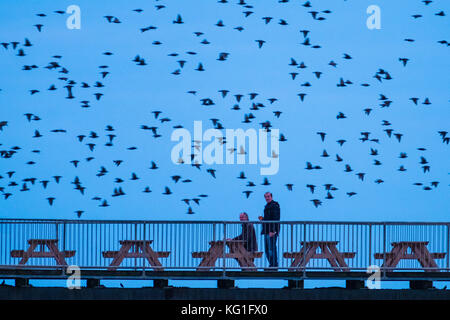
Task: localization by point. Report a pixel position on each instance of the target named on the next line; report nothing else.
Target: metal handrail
(91, 237)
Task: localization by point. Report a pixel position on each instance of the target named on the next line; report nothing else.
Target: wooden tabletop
(30, 241)
(320, 242)
(410, 243)
(135, 241)
(226, 241)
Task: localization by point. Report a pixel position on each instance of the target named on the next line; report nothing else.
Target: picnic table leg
(210, 260)
(310, 252)
(27, 254)
(298, 257)
(339, 257)
(388, 261)
(424, 256)
(234, 249)
(397, 254)
(330, 256)
(151, 256)
(59, 256)
(244, 260)
(120, 255)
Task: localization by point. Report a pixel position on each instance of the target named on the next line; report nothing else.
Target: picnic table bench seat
(410, 250)
(136, 249)
(41, 244)
(389, 255)
(21, 254)
(328, 251)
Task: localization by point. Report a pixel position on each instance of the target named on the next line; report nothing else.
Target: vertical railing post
(64, 237)
(64, 241)
(64, 245)
(304, 249)
(448, 246)
(145, 244)
(135, 249)
(57, 230)
(224, 244)
(384, 248)
(370, 244)
(292, 245)
(56, 237)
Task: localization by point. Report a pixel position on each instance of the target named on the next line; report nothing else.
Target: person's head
(268, 196)
(243, 216)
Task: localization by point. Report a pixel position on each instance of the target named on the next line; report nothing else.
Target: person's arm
(275, 216)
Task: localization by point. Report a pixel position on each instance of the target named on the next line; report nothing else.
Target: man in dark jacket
(271, 230)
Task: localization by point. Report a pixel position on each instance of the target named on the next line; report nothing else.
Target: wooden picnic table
(51, 244)
(236, 251)
(328, 252)
(419, 251)
(139, 249)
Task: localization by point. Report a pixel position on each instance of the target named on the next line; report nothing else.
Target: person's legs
(270, 244)
(273, 251)
(267, 247)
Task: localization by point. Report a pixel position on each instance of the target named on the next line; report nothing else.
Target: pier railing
(358, 244)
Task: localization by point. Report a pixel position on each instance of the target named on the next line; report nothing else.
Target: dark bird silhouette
(179, 20)
(247, 193)
(316, 202)
(39, 27)
(403, 60)
(134, 176)
(311, 187)
(260, 43)
(79, 213)
(153, 166)
(212, 172)
(50, 200)
(242, 175)
(322, 135)
(398, 136)
(147, 190)
(104, 204)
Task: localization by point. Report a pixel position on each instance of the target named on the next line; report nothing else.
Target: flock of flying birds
(92, 93)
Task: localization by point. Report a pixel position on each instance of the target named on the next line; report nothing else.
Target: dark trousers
(270, 245)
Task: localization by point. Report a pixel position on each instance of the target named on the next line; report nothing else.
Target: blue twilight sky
(131, 92)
